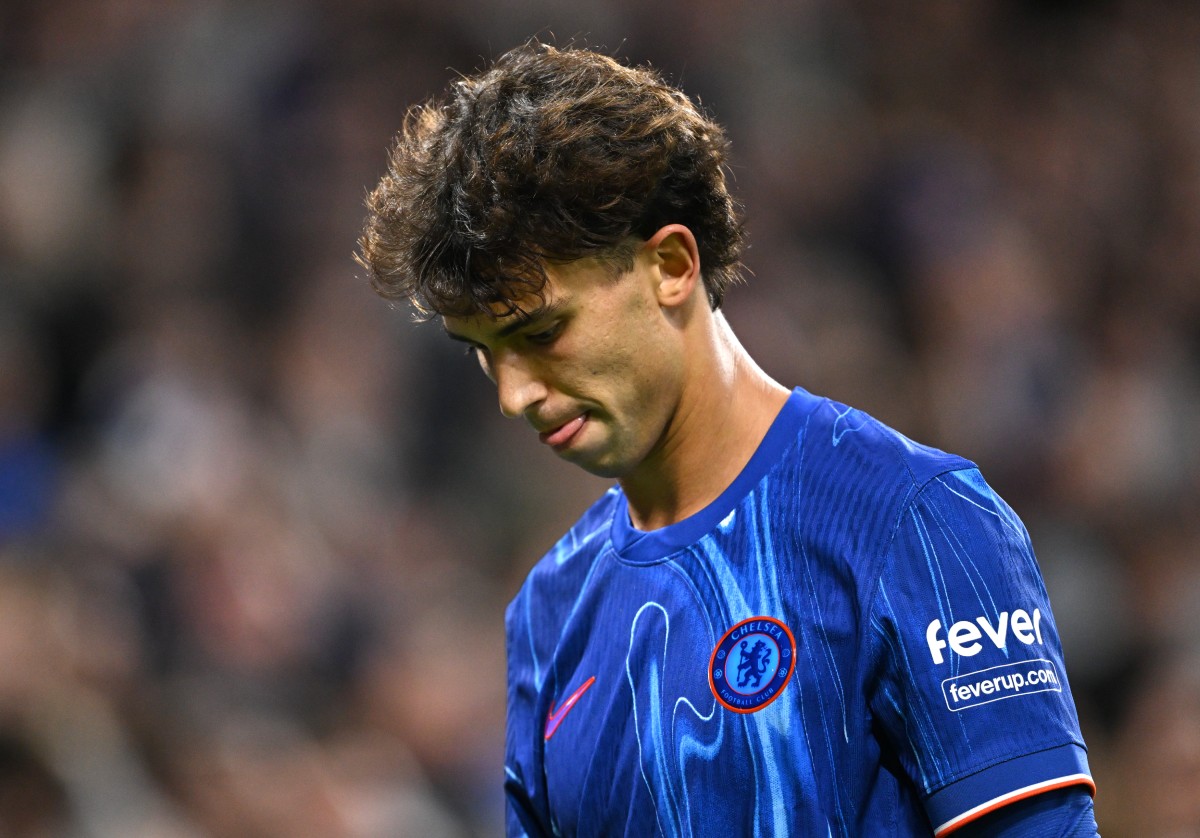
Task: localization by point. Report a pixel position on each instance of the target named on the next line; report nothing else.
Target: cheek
(635, 352)
(629, 365)
(649, 374)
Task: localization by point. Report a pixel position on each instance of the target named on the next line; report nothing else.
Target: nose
(517, 384)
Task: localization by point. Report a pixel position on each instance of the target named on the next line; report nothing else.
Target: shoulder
(856, 446)
(848, 478)
(568, 563)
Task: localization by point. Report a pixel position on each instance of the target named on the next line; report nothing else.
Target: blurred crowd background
(257, 529)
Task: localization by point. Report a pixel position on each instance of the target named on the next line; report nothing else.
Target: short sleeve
(525, 815)
(966, 673)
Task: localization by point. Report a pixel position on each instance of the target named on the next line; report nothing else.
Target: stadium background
(257, 531)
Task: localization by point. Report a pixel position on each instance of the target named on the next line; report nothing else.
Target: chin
(607, 472)
(598, 465)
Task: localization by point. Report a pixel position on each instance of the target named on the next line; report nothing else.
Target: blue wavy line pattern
(857, 559)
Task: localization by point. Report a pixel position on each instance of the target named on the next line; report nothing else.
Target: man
(784, 618)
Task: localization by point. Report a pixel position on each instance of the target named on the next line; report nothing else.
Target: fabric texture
(853, 639)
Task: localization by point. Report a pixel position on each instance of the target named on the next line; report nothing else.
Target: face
(596, 370)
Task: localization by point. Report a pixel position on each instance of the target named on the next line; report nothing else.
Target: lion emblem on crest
(754, 664)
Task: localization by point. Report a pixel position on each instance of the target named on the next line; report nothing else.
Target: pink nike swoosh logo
(555, 717)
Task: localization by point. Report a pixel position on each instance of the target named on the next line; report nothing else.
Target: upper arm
(968, 678)
(1063, 813)
(526, 815)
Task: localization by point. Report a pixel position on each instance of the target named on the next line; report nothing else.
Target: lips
(564, 433)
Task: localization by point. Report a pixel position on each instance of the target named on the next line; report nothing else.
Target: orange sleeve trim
(1012, 797)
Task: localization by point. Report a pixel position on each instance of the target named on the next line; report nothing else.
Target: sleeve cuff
(973, 797)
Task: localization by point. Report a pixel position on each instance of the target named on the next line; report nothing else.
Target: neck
(725, 409)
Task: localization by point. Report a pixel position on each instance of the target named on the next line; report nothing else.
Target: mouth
(562, 435)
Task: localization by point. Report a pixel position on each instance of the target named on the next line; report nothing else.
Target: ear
(677, 259)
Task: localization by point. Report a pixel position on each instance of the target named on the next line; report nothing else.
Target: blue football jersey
(853, 639)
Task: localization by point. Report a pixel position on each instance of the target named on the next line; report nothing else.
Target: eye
(480, 354)
(545, 336)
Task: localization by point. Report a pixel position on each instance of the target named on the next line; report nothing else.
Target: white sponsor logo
(964, 636)
(999, 682)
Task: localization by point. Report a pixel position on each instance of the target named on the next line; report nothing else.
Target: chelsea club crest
(752, 663)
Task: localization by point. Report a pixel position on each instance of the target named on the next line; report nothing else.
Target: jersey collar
(649, 547)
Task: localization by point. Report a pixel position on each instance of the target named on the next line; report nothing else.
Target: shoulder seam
(915, 492)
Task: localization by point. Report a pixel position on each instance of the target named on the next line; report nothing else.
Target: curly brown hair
(551, 155)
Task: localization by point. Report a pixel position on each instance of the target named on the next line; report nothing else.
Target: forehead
(505, 317)
(564, 284)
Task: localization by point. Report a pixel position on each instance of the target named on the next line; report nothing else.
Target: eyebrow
(521, 321)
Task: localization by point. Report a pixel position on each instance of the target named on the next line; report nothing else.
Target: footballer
(783, 618)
